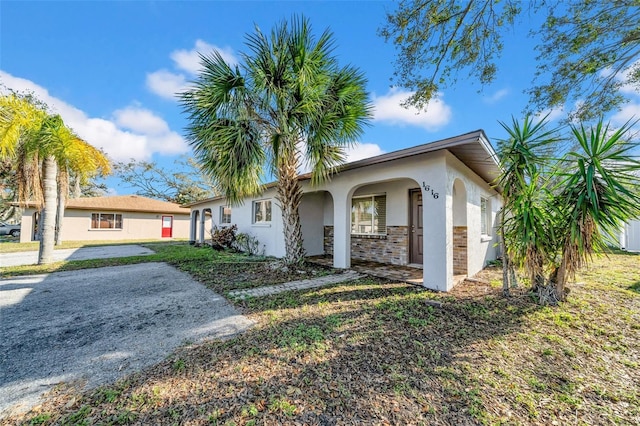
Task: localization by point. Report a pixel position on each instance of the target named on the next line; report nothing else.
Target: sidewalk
(295, 285)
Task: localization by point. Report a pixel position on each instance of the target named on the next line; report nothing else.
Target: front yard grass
(376, 352)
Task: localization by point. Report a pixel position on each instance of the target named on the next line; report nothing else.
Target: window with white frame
(106, 221)
(369, 215)
(262, 211)
(485, 216)
(225, 215)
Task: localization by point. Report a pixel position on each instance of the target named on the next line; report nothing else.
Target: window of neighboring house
(369, 215)
(225, 215)
(262, 211)
(485, 216)
(106, 221)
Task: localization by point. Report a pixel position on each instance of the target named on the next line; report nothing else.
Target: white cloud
(496, 96)
(189, 60)
(388, 109)
(628, 112)
(552, 114)
(363, 150)
(166, 84)
(140, 120)
(120, 138)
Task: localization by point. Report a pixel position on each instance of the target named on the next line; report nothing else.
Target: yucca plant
(524, 158)
(598, 192)
(559, 212)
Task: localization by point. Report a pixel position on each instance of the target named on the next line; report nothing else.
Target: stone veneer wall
(392, 248)
(459, 250)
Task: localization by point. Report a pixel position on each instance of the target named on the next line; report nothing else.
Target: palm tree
(40, 144)
(289, 102)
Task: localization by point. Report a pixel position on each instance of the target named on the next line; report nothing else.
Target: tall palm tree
(40, 144)
(74, 156)
(288, 102)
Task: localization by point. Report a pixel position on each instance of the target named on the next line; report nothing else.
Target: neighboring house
(122, 217)
(431, 206)
(630, 237)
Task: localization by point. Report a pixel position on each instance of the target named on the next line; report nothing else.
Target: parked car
(6, 229)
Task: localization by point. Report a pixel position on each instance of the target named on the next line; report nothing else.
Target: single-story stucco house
(122, 217)
(432, 206)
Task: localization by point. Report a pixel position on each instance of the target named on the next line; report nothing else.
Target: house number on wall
(429, 189)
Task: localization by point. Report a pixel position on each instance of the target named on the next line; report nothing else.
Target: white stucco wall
(480, 248)
(135, 226)
(312, 221)
(268, 234)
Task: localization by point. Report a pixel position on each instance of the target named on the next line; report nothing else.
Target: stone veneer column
(459, 250)
(328, 240)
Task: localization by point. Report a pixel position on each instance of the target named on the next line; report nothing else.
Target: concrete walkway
(295, 285)
(82, 253)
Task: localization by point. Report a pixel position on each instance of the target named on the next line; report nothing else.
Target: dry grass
(372, 352)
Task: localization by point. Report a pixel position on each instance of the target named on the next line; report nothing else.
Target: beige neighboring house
(122, 217)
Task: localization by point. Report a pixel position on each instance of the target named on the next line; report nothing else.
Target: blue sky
(110, 69)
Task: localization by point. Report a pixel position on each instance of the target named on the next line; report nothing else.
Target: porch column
(437, 219)
(202, 219)
(341, 228)
(193, 223)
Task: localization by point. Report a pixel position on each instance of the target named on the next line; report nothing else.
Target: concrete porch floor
(411, 274)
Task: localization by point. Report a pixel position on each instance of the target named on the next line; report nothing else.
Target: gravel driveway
(100, 324)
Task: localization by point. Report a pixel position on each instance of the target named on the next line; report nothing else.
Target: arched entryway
(459, 213)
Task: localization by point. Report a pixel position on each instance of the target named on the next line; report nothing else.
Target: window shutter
(380, 206)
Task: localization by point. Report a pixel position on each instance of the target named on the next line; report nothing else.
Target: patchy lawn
(375, 352)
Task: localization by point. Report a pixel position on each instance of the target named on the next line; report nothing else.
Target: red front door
(167, 226)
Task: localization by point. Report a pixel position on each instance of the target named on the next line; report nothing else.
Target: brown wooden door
(415, 227)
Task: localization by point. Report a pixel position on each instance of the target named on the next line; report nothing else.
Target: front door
(167, 226)
(415, 227)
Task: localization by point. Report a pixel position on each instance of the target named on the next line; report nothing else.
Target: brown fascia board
(116, 209)
(477, 136)
(27, 205)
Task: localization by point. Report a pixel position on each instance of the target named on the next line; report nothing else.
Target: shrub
(247, 243)
(223, 237)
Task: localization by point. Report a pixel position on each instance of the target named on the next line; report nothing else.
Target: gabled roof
(472, 148)
(122, 203)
